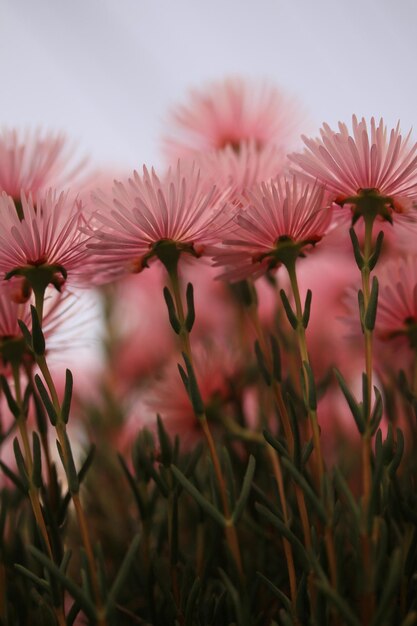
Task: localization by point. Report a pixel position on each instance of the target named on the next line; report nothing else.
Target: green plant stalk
(61, 433)
(302, 347)
(277, 469)
(33, 490)
(319, 468)
(274, 459)
(366, 438)
(230, 530)
(368, 600)
(276, 387)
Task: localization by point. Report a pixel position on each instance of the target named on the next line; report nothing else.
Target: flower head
(32, 162)
(149, 217)
(235, 171)
(13, 347)
(278, 222)
(369, 167)
(41, 237)
(397, 302)
(228, 113)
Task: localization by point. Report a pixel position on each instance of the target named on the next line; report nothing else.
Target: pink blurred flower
(235, 171)
(45, 235)
(230, 112)
(144, 339)
(215, 367)
(367, 161)
(146, 215)
(33, 161)
(58, 307)
(278, 220)
(397, 302)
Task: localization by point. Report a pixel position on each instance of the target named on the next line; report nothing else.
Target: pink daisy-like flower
(45, 235)
(31, 162)
(370, 162)
(278, 222)
(151, 217)
(12, 344)
(215, 367)
(230, 112)
(397, 302)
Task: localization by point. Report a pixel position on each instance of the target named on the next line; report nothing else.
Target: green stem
(368, 598)
(230, 530)
(302, 346)
(61, 432)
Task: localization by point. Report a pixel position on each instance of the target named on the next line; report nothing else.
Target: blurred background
(107, 71)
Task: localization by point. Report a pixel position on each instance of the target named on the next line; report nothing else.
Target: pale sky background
(107, 71)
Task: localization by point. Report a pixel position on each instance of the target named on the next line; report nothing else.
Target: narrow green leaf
(312, 395)
(285, 601)
(123, 573)
(13, 477)
(344, 490)
(307, 308)
(377, 412)
(299, 549)
(26, 334)
(191, 603)
(66, 403)
(277, 445)
(353, 405)
(377, 251)
(198, 497)
(244, 494)
(229, 476)
(38, 339)
(292, 318)
(392, 583)
(190, 319)
(69, 465)
(356, 249)
(261, 364)
(50, 409)
(40, 582)
(11, 402)
(84, 602)
(370, 315)
(361, 305)
(164, 442)
(398, 454)
(37, 461)
(21, 465)
(306, 488)
(342, 606)
(133, 485)
(193, 390)
(172, 314)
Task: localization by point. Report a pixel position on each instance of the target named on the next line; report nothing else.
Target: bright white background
(106, 71)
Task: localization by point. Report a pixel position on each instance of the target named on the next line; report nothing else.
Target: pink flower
(58, 307)
(278, 221)
(368, 162)
(397, 303)
(235, 171)
(215, 367)
(33, 161)
(228, 113)
(149, 217)
(44, 235)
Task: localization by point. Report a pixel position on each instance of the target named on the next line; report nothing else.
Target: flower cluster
(233, 417)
